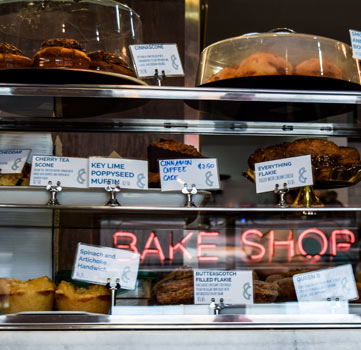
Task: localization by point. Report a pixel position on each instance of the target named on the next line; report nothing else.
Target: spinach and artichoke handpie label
(12, 161)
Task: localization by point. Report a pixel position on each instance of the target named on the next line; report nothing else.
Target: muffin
(61, 53)
(12, 57)
(109, 62)
(95, 298)
(312, 67)
(32, 295)
(264, 63)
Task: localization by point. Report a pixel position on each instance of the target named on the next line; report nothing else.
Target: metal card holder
(113, 190)
(53, 190)
(159, 78)
(113, 289)
(189, 192)
(281, 192)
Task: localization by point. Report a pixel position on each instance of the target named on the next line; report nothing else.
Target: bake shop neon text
(253, 246)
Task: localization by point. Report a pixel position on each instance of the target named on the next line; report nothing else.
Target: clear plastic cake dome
(102, 26)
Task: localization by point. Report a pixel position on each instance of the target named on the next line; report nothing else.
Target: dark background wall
(228, 18)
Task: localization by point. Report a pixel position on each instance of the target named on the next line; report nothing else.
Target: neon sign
(255, 245)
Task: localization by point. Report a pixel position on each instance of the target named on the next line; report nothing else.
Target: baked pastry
(169, 149)
(109, 62)
(264, 63)
(22, 179)
(225, 73)
(349, 156)
(32, 295)
(264, 292)
(12, 57)
(67, 53)
(323, 152)
(95, 298)
(266, 154)
(175, 288)
(313, 67)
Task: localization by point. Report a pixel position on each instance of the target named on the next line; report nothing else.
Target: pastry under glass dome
(97, 25)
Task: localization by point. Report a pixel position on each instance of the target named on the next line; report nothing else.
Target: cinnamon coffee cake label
(12, 161)
(283, 173)
(102, 265)
(187, 175)
(229, 287)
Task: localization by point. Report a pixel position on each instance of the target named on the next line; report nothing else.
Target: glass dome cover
(91, 30)
(278, 53)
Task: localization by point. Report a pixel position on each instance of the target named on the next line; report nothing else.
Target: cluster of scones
(41, 294)
(265, 63)
(326, 156)
(63, 53)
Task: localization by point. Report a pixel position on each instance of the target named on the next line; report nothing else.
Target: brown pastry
(323, 152)
(175, 288)
(349, 156)
(264, 63)
(312, 67)
(264, 292)
(225, 73)
(95, 298)
(267, 154)
(12, 57)
(64, 53)
(286, 289)
(109, 62)
(32, 295)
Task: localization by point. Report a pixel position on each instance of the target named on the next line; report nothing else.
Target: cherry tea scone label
(96, 264)
(175, 174)
(291, 172)
(70, 172)
(234, 287)
(12, 161)
(125, 173)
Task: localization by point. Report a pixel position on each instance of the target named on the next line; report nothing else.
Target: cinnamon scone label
(336, 283)
(102, 265)
(152, 59)
(283, 173)
(68, 171)
(12, 161)
(234, 287)
(187, 175)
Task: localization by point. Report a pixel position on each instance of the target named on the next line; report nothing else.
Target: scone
(12, 57)
(32, 295)
(264, 63)
(105, 61)
(312, 67)
(95, 298)
(61, 53)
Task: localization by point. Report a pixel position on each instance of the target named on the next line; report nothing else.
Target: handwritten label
(12, 161)
(175, 174)
(294, 172)
(336, 282)
(125, 173)
(356, 43)
(71, 172)
(163, 57)
(96, 264)
(235, 287)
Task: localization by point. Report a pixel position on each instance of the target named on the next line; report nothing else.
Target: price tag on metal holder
(12, 161)
(97, 264)
(175, 173)
(293, 172)
(161, 58)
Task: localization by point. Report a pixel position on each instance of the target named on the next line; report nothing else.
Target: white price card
(12, 161)
(356, 43)
(71, 172)
(336, 282)
(96, 264)
(151, 57)
(235, 287)
(294, 172)
(175, 174)
(125, 173)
